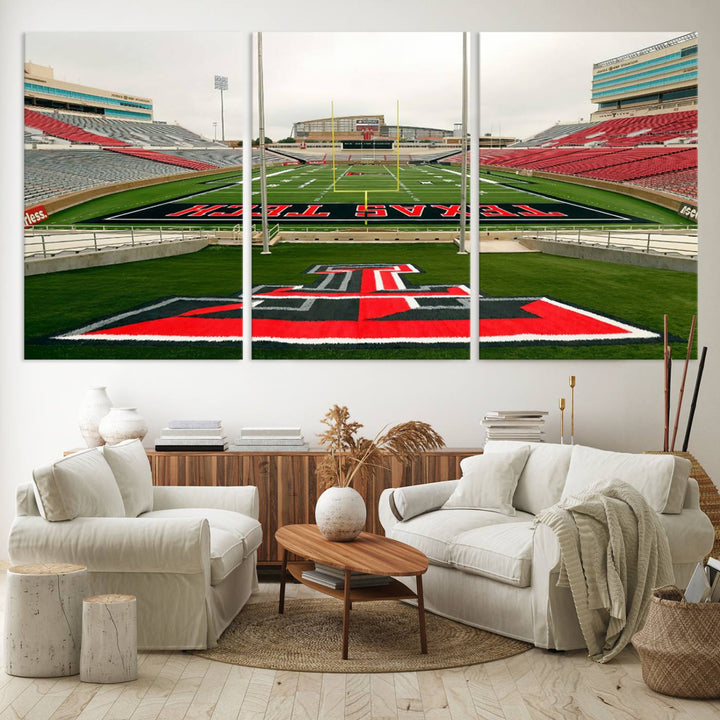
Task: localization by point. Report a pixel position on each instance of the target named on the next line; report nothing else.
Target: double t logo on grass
(360, 305)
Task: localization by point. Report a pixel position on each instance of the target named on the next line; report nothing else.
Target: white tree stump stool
(109, 639)
(43, 619)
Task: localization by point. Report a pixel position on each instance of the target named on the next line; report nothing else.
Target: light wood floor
(178, 686)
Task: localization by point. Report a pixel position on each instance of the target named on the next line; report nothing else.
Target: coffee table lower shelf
(394, 590)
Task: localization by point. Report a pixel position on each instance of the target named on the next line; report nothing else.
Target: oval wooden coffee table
(368, 553)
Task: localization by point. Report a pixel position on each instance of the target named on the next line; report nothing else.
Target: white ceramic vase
(340, 513)
(96, 404)
(122, 423)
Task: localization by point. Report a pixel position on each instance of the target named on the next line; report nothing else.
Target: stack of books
(192, 436)
(332, 577)
(518, 425)
(270, 439)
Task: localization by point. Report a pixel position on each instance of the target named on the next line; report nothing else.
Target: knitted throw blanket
(614, 551)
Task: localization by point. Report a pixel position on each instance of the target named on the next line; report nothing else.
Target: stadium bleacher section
(58, 128)
(140, 134)
(554, 133)
(680, 182)
(635, 130)
(52, 173)
(165, 158)
(656, 151)
(228, 157)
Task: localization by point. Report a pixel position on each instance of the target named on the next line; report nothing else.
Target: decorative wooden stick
(682, 382)
(561, 404)
(572, 409)
(666, 412)
(669, 387)
(694, 399)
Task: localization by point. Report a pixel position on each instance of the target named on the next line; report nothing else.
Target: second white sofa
(490, 568)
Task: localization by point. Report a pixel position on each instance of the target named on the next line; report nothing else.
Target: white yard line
(412, 195)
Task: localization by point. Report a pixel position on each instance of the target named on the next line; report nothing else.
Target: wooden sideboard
(287, 486)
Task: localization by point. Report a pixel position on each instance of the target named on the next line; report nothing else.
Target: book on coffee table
(332, 577)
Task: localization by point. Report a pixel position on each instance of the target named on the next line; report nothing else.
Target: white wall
(619, 403)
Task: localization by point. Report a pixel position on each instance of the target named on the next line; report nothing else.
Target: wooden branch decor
(701, 367)
(682, 382)
(353, 457)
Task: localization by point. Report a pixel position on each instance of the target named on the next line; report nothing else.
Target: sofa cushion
(233, 536)
(227, 551)
(79, 485)
(488, 482)
(501, 552)
(660, 479)
(542, 480)
(434, 533)
(411, 500)
(131, 468)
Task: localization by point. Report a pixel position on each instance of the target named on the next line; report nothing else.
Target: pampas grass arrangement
(353, 457)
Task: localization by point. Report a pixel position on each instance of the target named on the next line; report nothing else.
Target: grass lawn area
(639, 296)
(61, 302)
(64, 301)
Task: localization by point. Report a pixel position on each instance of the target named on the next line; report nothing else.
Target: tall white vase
(96, 404)
(340, 513)
(122, 424)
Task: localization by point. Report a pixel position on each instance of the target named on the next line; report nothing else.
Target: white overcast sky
(529, 81)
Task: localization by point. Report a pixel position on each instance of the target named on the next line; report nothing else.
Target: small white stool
(109, 639)
(43, 619)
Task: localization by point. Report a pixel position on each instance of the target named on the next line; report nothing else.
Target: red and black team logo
(359, 305)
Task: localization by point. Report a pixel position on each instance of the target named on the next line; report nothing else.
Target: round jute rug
(384, 637)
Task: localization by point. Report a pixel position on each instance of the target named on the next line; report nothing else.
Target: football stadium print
(361, 198)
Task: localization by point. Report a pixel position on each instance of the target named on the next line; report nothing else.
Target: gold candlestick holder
(561, 405)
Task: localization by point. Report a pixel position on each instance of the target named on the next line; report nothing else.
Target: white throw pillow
(79, 485)
(660, 479)
(542, 480)
(488, 482)
(131, 468)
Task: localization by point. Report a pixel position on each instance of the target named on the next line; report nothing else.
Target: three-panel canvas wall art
(411, 195)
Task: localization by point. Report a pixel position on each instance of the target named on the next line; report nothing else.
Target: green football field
(67, 313)
(348, 183)
(215, 200)
(61, 303)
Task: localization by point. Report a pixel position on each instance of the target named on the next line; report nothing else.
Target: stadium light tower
(221, 84)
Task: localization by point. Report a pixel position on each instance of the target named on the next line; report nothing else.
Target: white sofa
(187, 553)
(492, 569)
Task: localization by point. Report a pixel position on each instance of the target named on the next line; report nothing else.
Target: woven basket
(680, 646)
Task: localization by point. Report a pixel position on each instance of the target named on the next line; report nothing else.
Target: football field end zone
(379, 214)
(102, 258)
